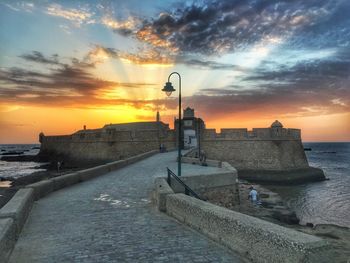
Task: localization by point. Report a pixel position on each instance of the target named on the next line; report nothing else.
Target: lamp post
(168, 89)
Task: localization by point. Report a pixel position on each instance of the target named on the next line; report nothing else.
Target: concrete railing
(253, 238)
(14, 214)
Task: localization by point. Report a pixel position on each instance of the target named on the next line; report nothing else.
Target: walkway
(111, 219)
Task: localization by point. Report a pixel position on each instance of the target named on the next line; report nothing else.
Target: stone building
(191, 128)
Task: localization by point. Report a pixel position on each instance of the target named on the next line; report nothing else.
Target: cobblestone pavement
(111, 219)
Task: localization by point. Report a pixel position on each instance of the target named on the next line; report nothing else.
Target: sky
(243, 64)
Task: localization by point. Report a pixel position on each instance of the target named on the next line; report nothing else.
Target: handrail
(188, 190)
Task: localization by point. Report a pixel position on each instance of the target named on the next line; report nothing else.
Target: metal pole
(179, 135)
(199, 138)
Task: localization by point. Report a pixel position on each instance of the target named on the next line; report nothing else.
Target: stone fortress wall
(262, 154)
(273, 148)
(107, 144)
(262, 148)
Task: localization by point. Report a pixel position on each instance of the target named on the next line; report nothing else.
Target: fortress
(273, 154)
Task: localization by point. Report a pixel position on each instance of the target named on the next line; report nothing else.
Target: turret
(41, 136)
(276, 127)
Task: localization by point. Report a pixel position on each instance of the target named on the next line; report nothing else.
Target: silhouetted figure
(203, 158)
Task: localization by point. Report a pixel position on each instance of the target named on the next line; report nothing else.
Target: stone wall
(104, 145)
(262, 149)
(273, 148)
(257, 154)
(255, 239)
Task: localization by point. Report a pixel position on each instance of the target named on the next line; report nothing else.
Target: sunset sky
(244, 63)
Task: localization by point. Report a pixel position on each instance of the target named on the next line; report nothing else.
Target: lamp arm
(176, 73)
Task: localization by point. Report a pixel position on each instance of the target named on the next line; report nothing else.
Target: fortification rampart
(261, 148)
(259, 154)
(254, 134)
(104, 145)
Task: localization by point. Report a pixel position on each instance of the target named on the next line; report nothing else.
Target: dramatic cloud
(66, 84)
(270, 103)
(282, 56)
(313, 88)
(216, 27)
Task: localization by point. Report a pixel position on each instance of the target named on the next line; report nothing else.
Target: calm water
(18, 169)
(326, 202)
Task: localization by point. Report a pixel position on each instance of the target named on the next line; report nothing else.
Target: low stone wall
(205, 181)
(7, 238)
(212, 163)
(14, 214)
(253, 238)
(18, 208)
(161, 190)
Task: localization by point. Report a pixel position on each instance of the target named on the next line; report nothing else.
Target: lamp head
(168, 88)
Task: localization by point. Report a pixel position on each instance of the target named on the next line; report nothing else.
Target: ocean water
(18, 169)
(326, 202)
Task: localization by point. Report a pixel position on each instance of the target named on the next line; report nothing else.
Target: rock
(285, 216)
(310, 224)
(264, 195)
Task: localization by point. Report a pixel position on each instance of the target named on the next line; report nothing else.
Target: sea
(326, 202)
(13, 170)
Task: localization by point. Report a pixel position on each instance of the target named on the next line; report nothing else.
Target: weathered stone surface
(208, 162)
(257, 154)
(225, 196)
(66, 180)
(101, 146)
(161, 190)
(18, 208)
(259, 240)
(7, 238)
(42, 188)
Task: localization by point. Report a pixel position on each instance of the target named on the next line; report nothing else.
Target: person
(253, 195)
(58, 166)
(203, 158)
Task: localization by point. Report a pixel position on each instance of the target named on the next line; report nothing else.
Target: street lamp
(168, 89)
